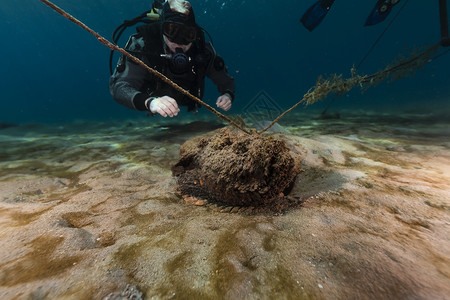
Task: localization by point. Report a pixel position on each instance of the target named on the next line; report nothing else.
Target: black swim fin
(380, 11)
(315, 14)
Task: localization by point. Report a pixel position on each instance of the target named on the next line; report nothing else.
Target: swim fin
(315, 14)
(380, 11)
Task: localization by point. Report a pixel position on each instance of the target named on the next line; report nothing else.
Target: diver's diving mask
(179, 33)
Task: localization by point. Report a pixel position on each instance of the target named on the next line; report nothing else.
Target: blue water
(53, 71)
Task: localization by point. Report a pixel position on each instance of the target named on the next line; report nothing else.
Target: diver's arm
(126, 85)
(217, 71)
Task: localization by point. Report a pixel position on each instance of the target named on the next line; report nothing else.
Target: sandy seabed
(87, 209)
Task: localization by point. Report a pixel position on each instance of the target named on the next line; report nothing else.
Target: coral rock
(236, 169)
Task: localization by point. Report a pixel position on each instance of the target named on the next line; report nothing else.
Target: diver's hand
(165, 106)
(224, 102)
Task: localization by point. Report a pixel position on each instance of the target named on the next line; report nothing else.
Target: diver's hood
(167, 15)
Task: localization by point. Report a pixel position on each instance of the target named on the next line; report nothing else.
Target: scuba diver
(175, 46)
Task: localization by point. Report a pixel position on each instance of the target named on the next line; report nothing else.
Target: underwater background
(53, 71)
(94, 204)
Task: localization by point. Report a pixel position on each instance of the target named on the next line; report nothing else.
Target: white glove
(165, 106)
(224, 102)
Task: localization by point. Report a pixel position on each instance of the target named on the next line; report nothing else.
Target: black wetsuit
(131, 84)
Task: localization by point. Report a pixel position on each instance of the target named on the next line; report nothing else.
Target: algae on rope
(400, 68)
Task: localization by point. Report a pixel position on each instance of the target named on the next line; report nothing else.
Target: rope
(140, 62)
(368, 52)
(381, 35)
(440, 55)
(337, 84)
